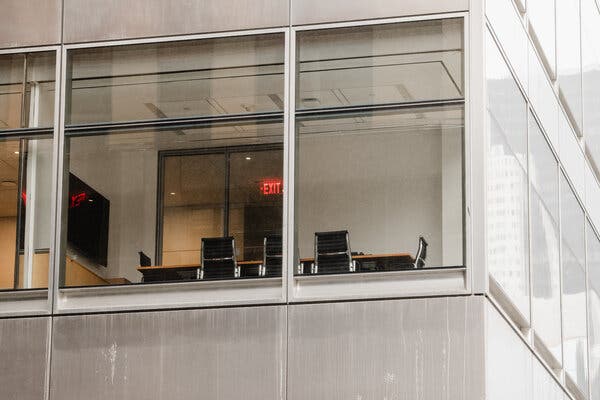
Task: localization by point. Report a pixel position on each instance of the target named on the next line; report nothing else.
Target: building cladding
(294, 199)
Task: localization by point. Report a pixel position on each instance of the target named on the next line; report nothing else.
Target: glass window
(590, 56)
(541, 15)
(507, 202)
(568, 56)
(224, 76)
(593, 263)
(26, 101)
(386, 177)
(573, 286)
(191, 199)
(370, 65)
(27, 90)
(545, 262)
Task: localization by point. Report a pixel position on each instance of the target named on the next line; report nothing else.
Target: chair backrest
(421, 253)
(218, 251)
(272, 254)
(332, 252)
(145, 261)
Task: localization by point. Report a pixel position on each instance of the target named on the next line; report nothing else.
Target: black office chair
(218, 259)
(421, 253)
(332, 253)
(272, 256)
(145, 261)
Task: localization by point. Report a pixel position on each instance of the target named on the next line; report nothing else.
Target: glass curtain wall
(593, 265)
(174, 161)
(27, 91)
(379, 141)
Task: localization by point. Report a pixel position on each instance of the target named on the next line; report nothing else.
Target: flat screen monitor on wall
(88, 221)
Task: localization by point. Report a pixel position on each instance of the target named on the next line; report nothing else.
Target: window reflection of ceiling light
(248, 158)
(172, 193)
(16, 152)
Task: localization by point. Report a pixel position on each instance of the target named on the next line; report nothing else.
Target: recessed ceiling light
(16, 152)
(172, 193)
(248, 158)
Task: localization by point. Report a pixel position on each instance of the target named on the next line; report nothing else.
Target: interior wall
(8, 229)
(127, 178)
(386, 189)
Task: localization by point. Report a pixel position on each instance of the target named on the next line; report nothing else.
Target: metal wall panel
(30, 22)
(319, 11)
(23, 358)
(95, 20)
(429, 348)
(236, 353)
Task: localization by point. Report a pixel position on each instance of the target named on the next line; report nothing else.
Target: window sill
(392, 284)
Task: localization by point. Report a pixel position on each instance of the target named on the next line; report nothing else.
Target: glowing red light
(77, 199)
(24, 197)
(271, 186)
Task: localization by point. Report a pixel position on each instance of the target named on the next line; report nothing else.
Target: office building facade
(300, 199)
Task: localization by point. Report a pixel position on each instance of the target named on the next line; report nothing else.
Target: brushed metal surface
(319, 11)
(95, 20)
(23, 358)
(429, 348)
(30, 22)
(236, 353)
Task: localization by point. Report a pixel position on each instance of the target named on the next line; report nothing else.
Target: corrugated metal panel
(194, 354)
(95, 20)
(430, 348)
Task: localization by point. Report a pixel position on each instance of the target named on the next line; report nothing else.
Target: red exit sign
(269, 187)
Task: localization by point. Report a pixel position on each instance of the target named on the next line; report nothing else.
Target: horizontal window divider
(18, 133)
(377, 107)
(173, 123)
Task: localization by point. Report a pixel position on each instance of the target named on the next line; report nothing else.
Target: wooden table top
(256, 262)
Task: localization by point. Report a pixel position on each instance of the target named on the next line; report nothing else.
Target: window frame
(395, 284)
(38, 301)
(168, 295)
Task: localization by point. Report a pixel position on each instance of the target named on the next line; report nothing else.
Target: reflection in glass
(573, 286)
(204, 176)
(568, 56)
(507, 207)
(25, 212)
(593, 263)
(590, 57)
(29, 104)
(380, 64)
(385, 177)
(234, 75)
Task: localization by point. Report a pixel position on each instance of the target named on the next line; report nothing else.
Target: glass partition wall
(27, 92)
(173, 161)
(379, 148)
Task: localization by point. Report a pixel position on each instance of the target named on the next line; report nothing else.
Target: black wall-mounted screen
(88, 221)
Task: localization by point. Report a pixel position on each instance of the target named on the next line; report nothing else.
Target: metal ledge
(393, 284)
(24, 302)
(170, 295)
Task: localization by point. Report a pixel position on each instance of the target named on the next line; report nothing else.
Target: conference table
(249, 269)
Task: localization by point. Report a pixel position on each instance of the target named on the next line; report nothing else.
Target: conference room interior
(167, 144)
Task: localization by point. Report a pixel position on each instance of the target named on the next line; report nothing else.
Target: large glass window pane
(235, 75)
(379, 64)
(573, 286)
(590, 56)
(545, 261)
(507, 202)
(541, 14)
(27, 90)
(25, 214)
(593, 263)
(386, 177)
(568, 56)
(202, 175)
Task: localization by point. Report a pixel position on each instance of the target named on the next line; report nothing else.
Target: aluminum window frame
(171, 295)
(38, 302)
(397, 284)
